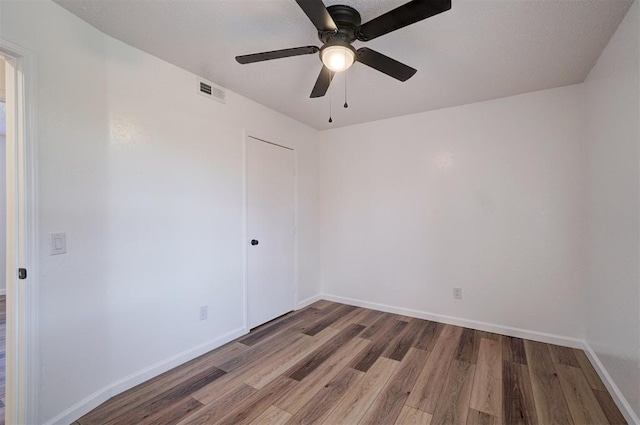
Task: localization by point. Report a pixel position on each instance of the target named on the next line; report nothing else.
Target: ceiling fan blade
(318, 14)
(400, 17)
(322, 83)
(385, 64)
(277, 54)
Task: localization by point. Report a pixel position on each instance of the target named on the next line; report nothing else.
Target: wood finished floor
(3, 333)
(336, 364)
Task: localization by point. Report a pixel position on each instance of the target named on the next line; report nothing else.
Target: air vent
(210, 90)
(205, 88)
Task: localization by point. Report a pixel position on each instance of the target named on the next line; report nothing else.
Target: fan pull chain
(330, 74)
(346, 105)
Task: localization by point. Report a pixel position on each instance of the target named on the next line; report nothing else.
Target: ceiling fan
(339, 26)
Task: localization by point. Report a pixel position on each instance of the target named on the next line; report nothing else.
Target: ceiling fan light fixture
(340, 25)
(338, 57)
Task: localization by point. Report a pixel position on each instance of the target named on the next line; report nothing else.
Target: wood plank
(322, 353)
(387, 406)
(513, 350)
(429, 335)
(289, 358)
(486, 395)
(453, 403)
(324, 401)
(583, 404)
(354, 317)
(452, 331)
(551, 407)
(480, 418)
(563, 355)
(411, 416)
(174, 413)
(489, 335)
(299, 326)
(370, 317)
(468, 347)
(400, 346)
(253, 406)
(218, 388)
(431, 381)
(259, 351)
(589, 371)
(215, 410)
(272, 416)
(299, 395)
(142, 393)
(355, 403)
(329, 319)
(518, 404)
(167, 398)
(272, 328)
(614, 416)
(321, 304)
(384, 322)
(224, 353)
(367, 358)
(276, 320)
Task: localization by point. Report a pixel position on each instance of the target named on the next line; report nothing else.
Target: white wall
(486, 197)
(145, 177)
(3, 177)
(613, 279)
(3, 212)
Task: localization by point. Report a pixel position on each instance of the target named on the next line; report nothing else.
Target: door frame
(22, 240)
(246, 134)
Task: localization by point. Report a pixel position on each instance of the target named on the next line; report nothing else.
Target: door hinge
(22, 273)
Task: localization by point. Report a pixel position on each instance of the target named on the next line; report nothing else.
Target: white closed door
(270, 229)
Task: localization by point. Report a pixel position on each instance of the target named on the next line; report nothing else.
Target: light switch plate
(57, 243)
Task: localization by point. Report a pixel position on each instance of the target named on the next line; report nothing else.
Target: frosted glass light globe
(338, 58)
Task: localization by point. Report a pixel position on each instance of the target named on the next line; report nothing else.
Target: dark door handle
(254, 242)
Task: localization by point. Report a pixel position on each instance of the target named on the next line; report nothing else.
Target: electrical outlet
(457, 293)
(204, 312)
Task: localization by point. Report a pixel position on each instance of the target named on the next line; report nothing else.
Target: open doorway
(18, 358)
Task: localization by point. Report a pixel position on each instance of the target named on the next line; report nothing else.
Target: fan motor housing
(347, 19)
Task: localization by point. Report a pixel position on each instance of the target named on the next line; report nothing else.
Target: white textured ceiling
(479, 50)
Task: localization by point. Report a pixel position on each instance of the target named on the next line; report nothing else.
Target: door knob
(254, 242)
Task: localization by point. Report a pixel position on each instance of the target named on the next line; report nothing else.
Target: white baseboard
(3, 292)
(473, 324)
(94, 400)
(613, 389)
(308, 301)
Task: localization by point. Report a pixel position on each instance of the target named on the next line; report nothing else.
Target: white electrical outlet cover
(204, 312)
